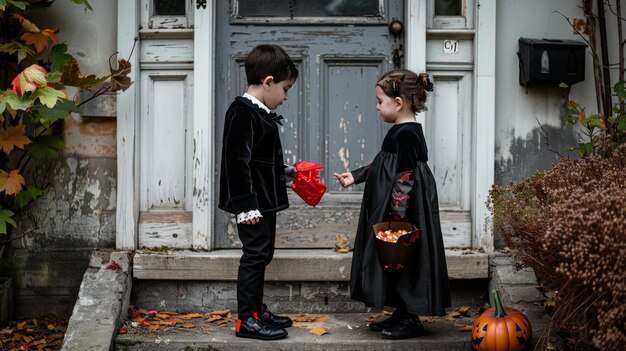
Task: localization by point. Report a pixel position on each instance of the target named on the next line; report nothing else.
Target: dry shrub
(569, 226)
(520, 213)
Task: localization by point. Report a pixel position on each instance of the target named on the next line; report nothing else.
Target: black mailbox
(551, 61)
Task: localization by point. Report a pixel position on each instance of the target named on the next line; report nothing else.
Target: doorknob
(396, 28)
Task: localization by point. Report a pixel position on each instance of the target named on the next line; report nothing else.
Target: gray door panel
(330, 117)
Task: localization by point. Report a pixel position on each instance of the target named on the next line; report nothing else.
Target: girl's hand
(345, 179)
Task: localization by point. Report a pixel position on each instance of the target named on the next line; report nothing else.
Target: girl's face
(387, 106)
(276, 93)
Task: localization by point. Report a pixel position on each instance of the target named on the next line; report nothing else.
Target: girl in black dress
(400, 186)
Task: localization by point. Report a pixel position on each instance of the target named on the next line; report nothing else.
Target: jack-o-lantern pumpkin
(501, 329)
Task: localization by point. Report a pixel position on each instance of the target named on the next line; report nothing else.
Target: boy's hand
(250, 217)
(252, 221)
(345, 179)
(290, 175)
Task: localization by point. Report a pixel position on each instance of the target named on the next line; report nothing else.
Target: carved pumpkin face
(510, 331)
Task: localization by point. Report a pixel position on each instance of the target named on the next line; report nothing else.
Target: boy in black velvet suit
(253, 183)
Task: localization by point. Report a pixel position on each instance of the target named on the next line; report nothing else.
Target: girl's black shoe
(273, 320)
(406, 328)
(390, 322)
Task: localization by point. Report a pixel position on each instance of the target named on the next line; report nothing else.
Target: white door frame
(204, 162)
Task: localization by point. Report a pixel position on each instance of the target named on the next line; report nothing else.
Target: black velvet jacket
(252, 168)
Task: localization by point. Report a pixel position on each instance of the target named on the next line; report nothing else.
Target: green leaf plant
(34, 73)
(599, 134)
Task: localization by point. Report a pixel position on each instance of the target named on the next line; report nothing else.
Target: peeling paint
(79, 205)
(531, 154)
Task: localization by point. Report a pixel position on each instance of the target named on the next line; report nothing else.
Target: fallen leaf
(162, 316)
(123, 331)
(153, 328)
(452, 316)
(318, 331)
(223, 313)
(190, 316)
(463, 310)
(427, 319)
(213, 319)
(169, 323)
(114, 266)
(188, 325)
(466, 328)
(304, 318)
(342, 250)
(55, 336)
(222, 322)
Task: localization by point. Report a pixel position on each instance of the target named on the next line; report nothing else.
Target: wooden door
(340, 48)
(449, 121)
(166, 124)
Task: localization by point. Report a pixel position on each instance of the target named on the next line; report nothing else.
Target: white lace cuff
(246, 216)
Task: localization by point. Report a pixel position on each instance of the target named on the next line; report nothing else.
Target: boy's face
(275, 93)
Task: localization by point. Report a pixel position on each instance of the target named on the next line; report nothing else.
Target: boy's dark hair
(408, 86)
(269, 60)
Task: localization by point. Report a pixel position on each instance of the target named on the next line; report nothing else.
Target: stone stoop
(287, 265)
(297, 280)
(102, 302)
(346, 332)
(518, 289)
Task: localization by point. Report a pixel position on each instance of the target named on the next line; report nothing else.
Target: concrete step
(345, 332)
(288, 265)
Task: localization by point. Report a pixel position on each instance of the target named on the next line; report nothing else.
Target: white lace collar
(256, 102)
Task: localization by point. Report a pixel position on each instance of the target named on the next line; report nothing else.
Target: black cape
(423, 289)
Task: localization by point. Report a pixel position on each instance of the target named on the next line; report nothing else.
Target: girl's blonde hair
(408, 86)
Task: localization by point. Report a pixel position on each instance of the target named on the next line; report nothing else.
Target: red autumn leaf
(114, 266)
(26, 24)
(31, 78)
(11, 182)
(13, 137)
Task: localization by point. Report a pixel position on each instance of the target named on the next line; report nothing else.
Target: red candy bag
(307, 183)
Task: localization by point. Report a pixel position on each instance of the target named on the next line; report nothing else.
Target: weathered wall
(521, 146)
(77, 212)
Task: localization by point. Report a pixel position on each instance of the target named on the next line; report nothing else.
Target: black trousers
(258, 250)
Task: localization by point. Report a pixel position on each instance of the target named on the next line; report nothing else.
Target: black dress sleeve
(360, 174)
(406, 145)
(238, 146)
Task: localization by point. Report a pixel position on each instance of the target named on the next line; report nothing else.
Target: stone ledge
(287, 265)
(518, 289)
(102, 302)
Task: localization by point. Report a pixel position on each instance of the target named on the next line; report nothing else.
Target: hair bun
(424, 81)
